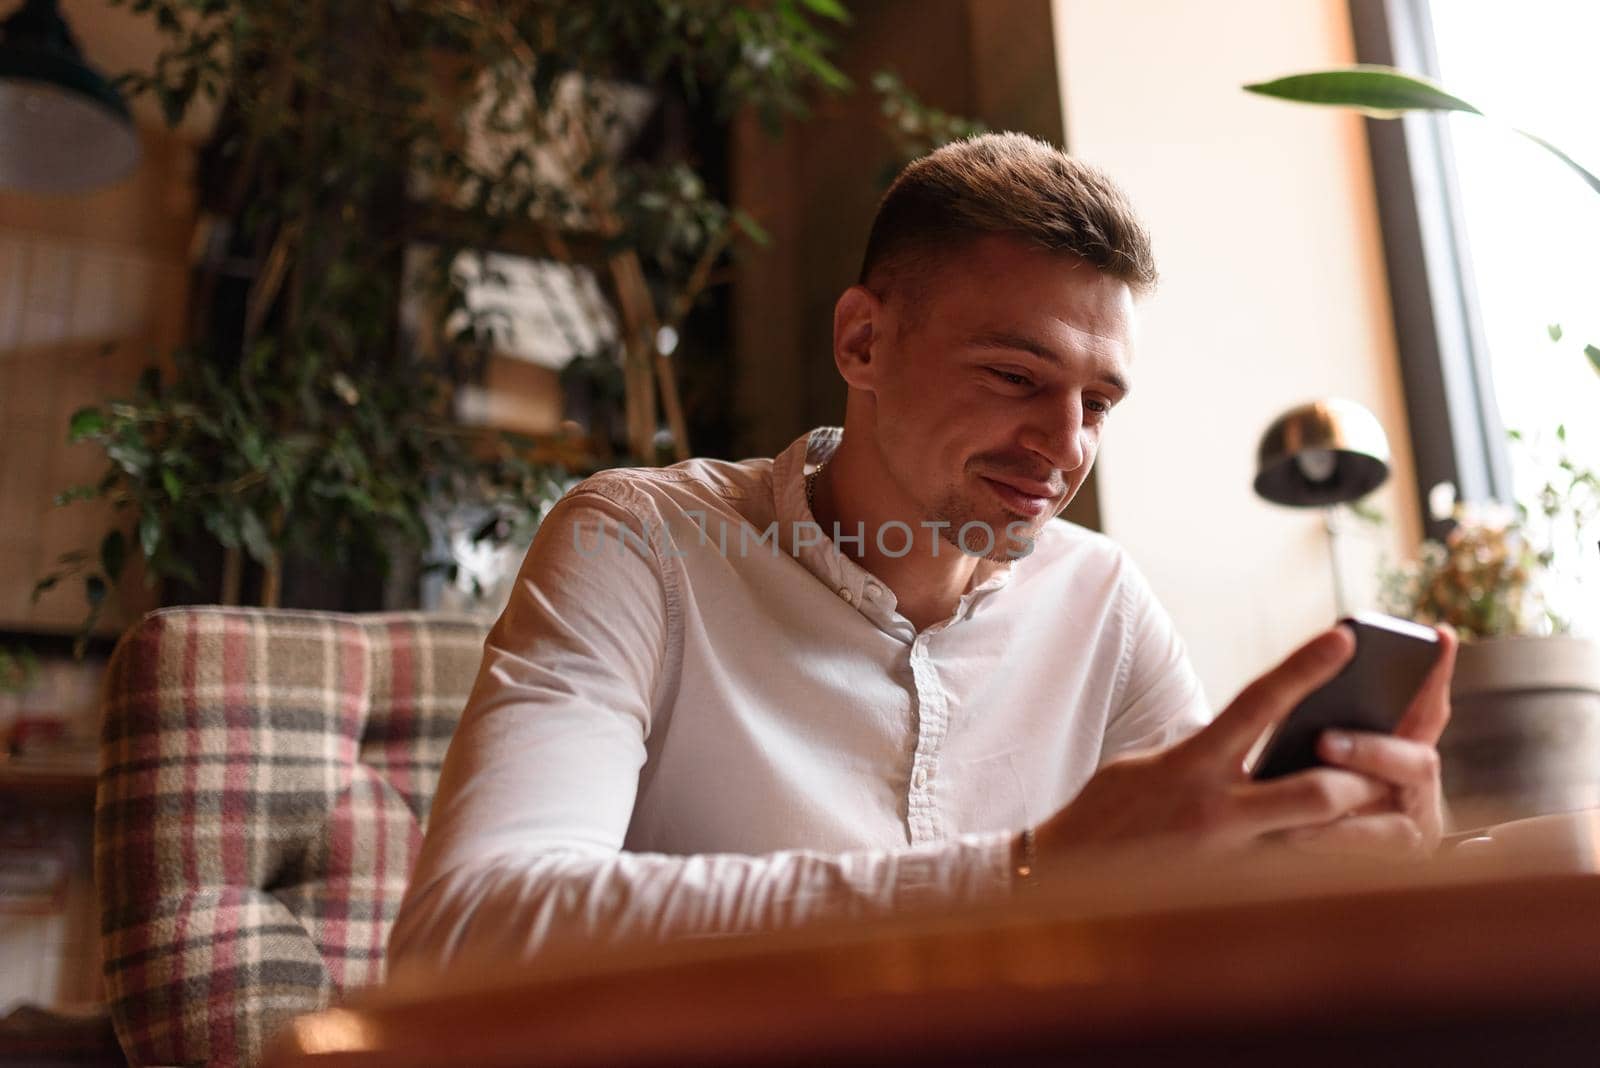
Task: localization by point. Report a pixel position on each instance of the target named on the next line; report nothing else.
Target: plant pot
(1524, 733)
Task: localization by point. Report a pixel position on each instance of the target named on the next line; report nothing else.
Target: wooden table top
(1314, 962)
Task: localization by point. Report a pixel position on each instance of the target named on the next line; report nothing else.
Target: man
(699, 715)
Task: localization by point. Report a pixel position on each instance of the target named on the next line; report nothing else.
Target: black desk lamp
(1319, 455)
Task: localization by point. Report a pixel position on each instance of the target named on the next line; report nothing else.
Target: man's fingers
(1429, 711)
(1271, 697)
(1307, 799)
(1389, 835)
(1399, 761)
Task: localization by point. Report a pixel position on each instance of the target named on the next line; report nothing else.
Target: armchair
(265, 777)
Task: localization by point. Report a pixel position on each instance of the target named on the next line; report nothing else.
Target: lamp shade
(1326, 452)
(63, 128)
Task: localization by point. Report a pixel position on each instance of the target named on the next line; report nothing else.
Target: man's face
(990, 395)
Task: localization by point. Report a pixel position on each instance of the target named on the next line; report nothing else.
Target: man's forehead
(1064, 344)
(998, 285)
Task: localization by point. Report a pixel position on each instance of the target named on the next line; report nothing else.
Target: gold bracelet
(1025, 861)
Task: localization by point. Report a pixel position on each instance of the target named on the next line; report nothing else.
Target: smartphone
(1371, 693)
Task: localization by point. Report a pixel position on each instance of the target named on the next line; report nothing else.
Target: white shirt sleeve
(524, 849)
(1161, 698)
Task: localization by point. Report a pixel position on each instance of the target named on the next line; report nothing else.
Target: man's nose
(1057, 434)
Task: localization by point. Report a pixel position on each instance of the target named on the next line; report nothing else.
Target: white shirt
(691, 729)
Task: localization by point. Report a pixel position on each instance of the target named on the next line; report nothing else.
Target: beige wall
(1273, 293)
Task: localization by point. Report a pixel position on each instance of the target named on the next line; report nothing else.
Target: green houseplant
(1525, 735)
(1492, 575)
(300, 418)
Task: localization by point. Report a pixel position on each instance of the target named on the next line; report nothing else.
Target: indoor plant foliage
(301, 416)
(1496, 573)
(1524, 737)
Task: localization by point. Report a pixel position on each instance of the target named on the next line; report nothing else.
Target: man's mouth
(1022, 496)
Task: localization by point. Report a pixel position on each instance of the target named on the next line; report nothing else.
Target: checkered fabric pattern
(264, 780)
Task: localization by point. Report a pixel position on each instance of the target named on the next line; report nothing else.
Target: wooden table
(1446, 964)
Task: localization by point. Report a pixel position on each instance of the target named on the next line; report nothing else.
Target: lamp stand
(1340, 601)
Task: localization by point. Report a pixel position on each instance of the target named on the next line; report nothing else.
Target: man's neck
(927, 581)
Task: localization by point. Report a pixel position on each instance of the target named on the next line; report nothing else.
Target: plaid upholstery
(264, 780)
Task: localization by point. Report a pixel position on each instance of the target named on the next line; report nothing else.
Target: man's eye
(1099, 407)
(1011, 377)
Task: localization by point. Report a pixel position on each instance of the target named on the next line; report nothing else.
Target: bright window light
(1533, 231)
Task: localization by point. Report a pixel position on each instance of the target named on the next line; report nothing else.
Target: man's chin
(1017, 535)
(1013, 535)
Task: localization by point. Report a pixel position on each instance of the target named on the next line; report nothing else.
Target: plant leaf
(1586, 175)
(113, 553)
(825, 72)
(172, 567)
(253, 533)
(829, 9)
(84, 422)
(752, 229)
(1381, 91)
(76, 493)
(149, 534)
(1593, 352)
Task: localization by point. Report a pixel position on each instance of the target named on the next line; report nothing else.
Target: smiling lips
(1024, 497)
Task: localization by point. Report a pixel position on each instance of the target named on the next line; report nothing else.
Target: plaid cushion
(264, 780)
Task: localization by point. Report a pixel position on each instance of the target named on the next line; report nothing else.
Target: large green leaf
(1386, 93)
(1379, 91)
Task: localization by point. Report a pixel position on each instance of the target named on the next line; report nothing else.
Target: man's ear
(858, 323)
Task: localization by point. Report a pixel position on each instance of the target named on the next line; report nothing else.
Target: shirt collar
(851, 581)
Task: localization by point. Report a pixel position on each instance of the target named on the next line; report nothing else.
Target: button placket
(922, 810)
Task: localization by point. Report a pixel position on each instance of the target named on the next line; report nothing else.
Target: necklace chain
(811, 488)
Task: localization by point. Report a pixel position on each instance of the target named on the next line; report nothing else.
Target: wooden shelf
(39, 779)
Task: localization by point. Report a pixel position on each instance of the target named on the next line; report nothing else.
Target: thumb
(1271, 697)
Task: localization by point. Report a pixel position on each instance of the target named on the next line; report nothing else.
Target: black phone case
(1371, 693)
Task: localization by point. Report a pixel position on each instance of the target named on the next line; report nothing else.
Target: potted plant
(1524, 737)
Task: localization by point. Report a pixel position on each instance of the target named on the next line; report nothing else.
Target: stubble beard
(1010, 543)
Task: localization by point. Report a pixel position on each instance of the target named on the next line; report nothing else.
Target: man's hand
(1197, 795)
(1410, 821)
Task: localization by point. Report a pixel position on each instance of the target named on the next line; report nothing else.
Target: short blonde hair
(1003, 184)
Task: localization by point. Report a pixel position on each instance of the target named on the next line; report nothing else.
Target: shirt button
(844, 591)
(919, 778)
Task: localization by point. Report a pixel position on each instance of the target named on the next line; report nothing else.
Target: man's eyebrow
(1005, 339)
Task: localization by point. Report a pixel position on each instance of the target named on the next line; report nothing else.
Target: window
(1533, 230)
(1508, 239)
